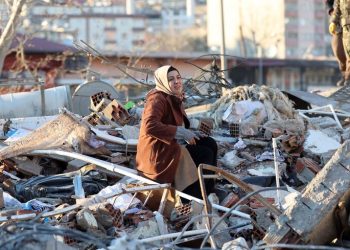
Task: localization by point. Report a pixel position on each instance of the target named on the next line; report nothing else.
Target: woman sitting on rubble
(168, 151)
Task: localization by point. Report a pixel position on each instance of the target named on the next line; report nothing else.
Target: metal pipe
(127, 172)
(173, 235)
(321, 112)
(42, 97)
(223, 46)
(330, 106)
(207, 205)
(274, 146)
(294, 246)
(193, 219)
(163, 201)
(246, 188)
(335, 116)
(232, 208)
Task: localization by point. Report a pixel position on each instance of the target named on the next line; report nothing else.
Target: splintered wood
(64, 132)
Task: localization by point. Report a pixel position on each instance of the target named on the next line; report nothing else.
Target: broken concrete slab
(236, 244)
(86, 220)
(311, 214)
(27, 166)
(319, 143)
(146, 229)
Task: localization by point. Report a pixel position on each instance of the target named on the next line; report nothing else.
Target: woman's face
(175, 82)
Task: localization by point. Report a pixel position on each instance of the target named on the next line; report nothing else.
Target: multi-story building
(165, 14)
(270, 28)
(112, 25)
(105, 28)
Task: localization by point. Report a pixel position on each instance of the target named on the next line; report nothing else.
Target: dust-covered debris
(43, 193)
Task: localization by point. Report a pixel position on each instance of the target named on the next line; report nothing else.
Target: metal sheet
(311, 98)
(81, 96)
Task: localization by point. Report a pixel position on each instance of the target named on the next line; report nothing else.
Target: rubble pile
(282, 179)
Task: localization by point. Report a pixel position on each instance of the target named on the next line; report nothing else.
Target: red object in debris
(253, 203)
(21, 212)
(230, 200)
(307, 162)
(116, 214)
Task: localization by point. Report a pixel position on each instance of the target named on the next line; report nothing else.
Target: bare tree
(9, 31)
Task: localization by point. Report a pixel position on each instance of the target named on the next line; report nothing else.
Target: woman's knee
(201, 154)
(208, 142)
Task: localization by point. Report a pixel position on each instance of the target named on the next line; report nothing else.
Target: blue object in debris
(78, 187)
(10, 132)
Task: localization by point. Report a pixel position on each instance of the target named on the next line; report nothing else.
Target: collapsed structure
(282, 178)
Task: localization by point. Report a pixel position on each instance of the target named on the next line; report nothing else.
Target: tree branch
(10, 30)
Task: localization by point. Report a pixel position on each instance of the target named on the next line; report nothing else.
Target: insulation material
(244, 110)
(231, 160)
(278, 107)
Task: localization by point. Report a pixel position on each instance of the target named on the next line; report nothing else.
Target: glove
(332, 28)
(185, 134)
(200, 134)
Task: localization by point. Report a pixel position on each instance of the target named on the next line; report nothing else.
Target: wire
(193, 219)
(234, 207)
(294, 246)
(93, 52)
(17, 230)
(217, 232)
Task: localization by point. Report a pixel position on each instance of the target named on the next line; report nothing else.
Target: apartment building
(106, 28)
(270, 28)
(111, 25)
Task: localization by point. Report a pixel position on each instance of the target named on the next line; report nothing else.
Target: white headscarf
(161, 78)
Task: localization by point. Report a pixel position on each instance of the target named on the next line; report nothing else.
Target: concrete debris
(231, 160)
(262, 171)
(236, 244)
(146, 229)
(74, 178)
(319, 143)
(130, 132)
(312, 215)
(127, 243)
(86, 220)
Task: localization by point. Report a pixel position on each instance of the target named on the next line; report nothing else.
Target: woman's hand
(186, 134)
(200, 134)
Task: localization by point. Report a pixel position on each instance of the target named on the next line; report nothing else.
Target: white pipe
(128, 172)
(304, 116)
(174, 235)
(330, 106)
(318, 108)
(274, 146)
(104, 135)
(335, 116)
(302, 111)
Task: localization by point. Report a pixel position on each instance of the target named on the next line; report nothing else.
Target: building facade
(270, 28)
(111, 25)
(106, 28)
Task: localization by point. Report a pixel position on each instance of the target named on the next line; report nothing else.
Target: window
(76, 62)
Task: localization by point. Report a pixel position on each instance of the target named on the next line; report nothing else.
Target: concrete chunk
(313, 211)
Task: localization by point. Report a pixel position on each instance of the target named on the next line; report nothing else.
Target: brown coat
(158, 152)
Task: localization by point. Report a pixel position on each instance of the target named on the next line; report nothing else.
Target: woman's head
(168, 80)
(175, 81)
